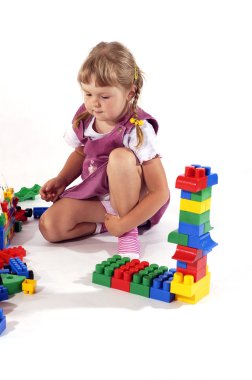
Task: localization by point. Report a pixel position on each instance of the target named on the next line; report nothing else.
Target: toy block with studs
(143, 280)
(2, 321)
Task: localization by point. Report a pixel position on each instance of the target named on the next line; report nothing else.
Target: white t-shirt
(145, 152)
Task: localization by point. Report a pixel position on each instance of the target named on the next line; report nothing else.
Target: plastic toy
(135, 277)
(191, 281)
(38, 211)
(11, 217)
(2, 321)
(26, 193)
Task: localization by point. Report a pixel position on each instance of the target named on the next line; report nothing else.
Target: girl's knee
(47, 229)
(122, 157)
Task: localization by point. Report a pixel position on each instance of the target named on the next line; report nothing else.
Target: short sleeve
(71, 138)
(148, 149)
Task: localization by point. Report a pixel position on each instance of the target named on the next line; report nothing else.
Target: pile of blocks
(14, 277)
(133, 276)
(190, 281)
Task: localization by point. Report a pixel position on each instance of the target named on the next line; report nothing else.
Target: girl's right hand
(52, 189)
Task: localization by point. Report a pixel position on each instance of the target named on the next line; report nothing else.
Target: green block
(177, 238)
(207, 227)
(142, 281)
(193, 218)
(12, 282)
(28, 193)
(105, 270)
(2, 220)
(202, 195)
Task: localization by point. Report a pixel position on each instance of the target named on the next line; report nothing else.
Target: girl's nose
(96, 102)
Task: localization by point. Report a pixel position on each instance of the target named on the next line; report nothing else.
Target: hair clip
(136, 73)
(136, 122)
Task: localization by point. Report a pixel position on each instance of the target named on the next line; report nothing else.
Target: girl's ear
(132, 92)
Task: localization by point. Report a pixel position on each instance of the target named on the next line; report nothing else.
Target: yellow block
(187, 290)
(194, 206)
(29, 286)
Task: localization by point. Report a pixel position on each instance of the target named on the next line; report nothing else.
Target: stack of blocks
(192, 280)
(7, 217)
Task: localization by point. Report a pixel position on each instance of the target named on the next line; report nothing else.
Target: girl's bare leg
(126, 185)
(64, 219)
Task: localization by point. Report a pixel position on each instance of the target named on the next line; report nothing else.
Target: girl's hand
(52, 189)
(113, 224)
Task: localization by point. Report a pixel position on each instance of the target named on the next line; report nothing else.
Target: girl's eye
(105, 97)
(87, 94)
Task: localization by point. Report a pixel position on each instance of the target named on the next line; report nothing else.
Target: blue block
(212, 179)
(207, 168)
(2, 321)
(203, 242)
(185, 194)
(181, 264)
(191, 229)
(4, 271)
(3, 293)
(38, 211)
(161, 285)
(18, 267)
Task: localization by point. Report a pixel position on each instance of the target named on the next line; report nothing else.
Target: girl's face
(106, 103)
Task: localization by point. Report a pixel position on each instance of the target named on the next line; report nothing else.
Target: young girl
(123, 181)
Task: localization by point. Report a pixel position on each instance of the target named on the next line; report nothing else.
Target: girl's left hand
(113, 224)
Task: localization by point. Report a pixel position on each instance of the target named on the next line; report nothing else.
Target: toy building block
(142, 281)
(122, 276)
(193, 180)
(161, 287)
(22, 215)
(187, 290)
(28, 193)
(187, 254)
(196, 269)
(38, 211)
(192, 218)
(29, 286)
(193, 229)
(195, 206)
(12, 282)
(8, 253)
(18, 267)
(196, 178)
(177, 238)
(136, 277)
(203, 242)
(104, 270)
(201, 195)
(3, 293)
(2, 321)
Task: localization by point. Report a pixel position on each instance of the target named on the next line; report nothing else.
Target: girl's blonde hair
(112, 64)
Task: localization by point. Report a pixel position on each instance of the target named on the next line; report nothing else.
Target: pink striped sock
(129, 244)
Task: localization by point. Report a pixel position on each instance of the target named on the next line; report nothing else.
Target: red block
(122, 276)
(193, 180)
(8, 253)
(196, 274)
(187, 254)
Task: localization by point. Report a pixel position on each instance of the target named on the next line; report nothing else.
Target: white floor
(99, 333)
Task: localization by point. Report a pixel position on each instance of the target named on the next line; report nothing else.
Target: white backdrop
(197, 59)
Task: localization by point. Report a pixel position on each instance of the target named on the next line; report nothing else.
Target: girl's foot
(129, 244)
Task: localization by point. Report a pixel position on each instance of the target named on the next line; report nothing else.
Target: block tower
(191, 281)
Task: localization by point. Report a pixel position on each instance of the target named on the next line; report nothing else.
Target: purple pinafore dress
(94, 174)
